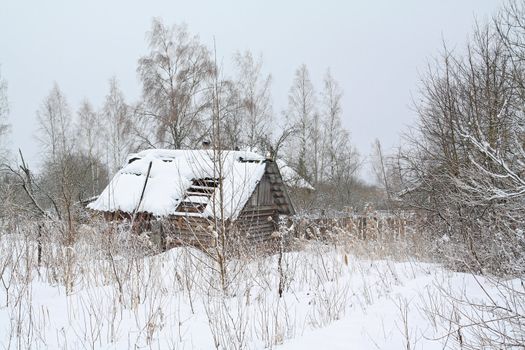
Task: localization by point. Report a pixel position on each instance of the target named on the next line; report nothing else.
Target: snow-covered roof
(291, 177)
(172, 174)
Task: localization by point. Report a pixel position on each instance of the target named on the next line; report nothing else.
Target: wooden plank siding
(260, 216)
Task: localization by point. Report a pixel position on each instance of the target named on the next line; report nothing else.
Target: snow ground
(85, 298)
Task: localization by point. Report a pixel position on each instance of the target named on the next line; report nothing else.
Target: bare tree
(231, 120)
(275, 142)
(57, 188)
(338, 161)
(4, 111)
(89, 129)
(335, 138)
(91, 135)
(379, 166)
(173, 79)
(510, 26)
(301, 112)
(6, 188)
(54, 121)
(117, 119)
(219, 223)
(465, 159)
(317, 149)
(255, 108)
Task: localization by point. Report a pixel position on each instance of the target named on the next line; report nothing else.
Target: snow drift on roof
(172, 173)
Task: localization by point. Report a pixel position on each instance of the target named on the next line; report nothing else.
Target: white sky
(375, 49)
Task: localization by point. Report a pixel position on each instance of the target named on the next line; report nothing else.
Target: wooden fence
(366, 226)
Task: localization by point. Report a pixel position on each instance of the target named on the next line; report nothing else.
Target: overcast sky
(375, 49)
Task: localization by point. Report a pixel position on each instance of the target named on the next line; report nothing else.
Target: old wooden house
(186, 193)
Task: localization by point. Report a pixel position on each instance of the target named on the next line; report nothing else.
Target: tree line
(81, 148)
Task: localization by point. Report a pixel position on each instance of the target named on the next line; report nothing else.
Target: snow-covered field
(87, 298)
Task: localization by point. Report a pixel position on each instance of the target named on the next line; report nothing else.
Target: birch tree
(339, 160)
(335, 137)
(91, 135)
(57, 184)
(231, 121)
(173, 74)
(119, 127)
(90, 130)
(66, 175)
(255, 108)
(301, 112)
(54, 125)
